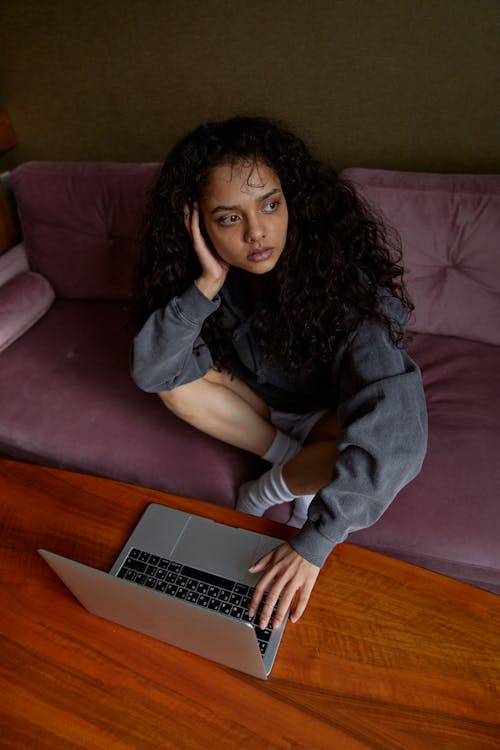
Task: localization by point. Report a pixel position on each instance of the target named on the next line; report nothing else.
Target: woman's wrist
(208, 287)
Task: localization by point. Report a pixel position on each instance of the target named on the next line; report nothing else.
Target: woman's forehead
(245, 176)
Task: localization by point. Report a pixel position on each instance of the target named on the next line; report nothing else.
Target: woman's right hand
(213, 269)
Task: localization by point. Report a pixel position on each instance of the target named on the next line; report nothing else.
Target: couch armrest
(24, 299)
(12, 263)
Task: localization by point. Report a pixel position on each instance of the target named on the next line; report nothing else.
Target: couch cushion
(66, 399)
(450, 228)
(81, 221)
(23, 301)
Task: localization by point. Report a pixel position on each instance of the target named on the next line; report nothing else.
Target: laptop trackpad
(223, 550)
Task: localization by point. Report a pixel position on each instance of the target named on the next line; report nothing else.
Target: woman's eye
(227, 220)
(270, 207)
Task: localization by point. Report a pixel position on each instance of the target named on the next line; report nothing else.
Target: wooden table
(386, 656)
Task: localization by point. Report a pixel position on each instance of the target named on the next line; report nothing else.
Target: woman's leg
(225, 408)
(298, 479)
(312, 468)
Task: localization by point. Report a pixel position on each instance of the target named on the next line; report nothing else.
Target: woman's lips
(257, 256)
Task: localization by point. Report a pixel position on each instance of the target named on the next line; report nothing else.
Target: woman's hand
(287, 574)
(213, 269)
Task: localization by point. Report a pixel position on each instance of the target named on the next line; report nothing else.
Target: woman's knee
(183, 399)
(326, 429)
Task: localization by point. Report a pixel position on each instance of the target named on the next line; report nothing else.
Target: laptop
(184, 580)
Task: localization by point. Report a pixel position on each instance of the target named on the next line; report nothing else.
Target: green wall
(402, 84)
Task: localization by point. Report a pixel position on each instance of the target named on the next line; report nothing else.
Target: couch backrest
(81, 221)
(450, 229)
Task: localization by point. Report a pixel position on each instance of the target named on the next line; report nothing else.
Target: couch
(67, 400)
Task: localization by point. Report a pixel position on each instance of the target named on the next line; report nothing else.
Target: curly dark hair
(345, 252)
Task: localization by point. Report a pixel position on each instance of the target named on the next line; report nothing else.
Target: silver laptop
(183, 579)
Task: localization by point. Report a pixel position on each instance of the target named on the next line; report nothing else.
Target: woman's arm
(168, 351)
(382, 440)
(382, 443)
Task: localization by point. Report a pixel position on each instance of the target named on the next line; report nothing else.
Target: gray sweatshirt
(373, 385)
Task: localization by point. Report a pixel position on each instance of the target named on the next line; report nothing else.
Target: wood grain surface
(386, 656)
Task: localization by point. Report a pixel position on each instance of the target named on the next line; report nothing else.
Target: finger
(262, 563)
(187, 219)
(285, 602)
(301, 603)
(259, 591)
(195, 222)
(279, 589)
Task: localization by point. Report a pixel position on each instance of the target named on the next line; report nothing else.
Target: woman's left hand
(287, 574)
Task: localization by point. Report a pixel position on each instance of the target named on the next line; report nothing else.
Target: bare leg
(225, 408)
(312, 468)
(315, 467)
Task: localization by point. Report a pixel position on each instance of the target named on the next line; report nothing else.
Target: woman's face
(245, 215)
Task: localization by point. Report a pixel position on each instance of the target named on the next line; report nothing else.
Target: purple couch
(66, 398)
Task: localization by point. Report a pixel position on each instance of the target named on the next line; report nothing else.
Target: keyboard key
(235, 599)
(214, 604)
(210, 578)
(176, 567)
(163, 563)
(160, 574)
(192, 597)
(171, 577)
(161, 586)
(171, 589)
(130, 575)
(140, 579)
(154, 559)
(182, 580)
(134, 553)
(192, 585)
(140, 567)
(151, 583)
(203, 600)
(241, 589)
(181, 594)
(213, 591)
(144, 556)
(237, 612)
(203, 588)
(225, 608)
(151, 570)
(262, 647)
(263, 635)
(224, 595)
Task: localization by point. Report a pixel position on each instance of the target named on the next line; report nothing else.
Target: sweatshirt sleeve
(382, 440)
(168, 351)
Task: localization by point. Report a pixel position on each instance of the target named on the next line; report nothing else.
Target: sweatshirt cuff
(193, 307)
(312, 545)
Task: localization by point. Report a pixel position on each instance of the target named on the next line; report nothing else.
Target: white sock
(283, 449)
(270, 489)
(299, 515)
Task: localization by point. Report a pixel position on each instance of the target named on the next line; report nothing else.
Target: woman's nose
(254, 231)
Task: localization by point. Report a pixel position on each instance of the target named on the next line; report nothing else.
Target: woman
(273, 311)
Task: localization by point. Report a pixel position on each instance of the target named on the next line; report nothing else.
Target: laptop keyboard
(206, 590)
